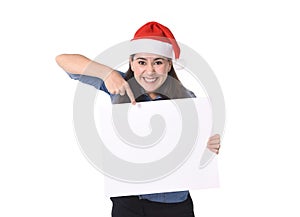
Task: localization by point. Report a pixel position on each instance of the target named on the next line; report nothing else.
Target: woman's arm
(79, 64)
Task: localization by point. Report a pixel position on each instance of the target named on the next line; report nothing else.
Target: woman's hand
(116, 84)
(79, 64)
(213, 143)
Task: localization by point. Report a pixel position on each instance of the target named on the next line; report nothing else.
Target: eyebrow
(143, 58)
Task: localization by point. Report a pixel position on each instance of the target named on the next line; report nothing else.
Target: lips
(149, 80)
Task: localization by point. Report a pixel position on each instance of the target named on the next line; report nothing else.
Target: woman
(150, 76)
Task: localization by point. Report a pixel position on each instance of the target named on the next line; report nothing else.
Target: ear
(131, 64)
(170, 65)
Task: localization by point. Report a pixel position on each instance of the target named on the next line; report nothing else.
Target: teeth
(150, 79)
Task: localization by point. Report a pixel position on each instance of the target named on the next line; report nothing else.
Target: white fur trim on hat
(151, 46)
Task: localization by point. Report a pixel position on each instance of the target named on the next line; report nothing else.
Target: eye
(159, 62)
(141, 62)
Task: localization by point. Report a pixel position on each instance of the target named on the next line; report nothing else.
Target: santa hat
(156, 39)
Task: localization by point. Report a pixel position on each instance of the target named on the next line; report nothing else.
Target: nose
(150, 68)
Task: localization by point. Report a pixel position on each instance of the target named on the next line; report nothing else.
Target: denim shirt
(167, 197)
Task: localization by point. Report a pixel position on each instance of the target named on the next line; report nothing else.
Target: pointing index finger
(130, 94)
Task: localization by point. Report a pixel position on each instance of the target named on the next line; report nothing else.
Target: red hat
(156, 39)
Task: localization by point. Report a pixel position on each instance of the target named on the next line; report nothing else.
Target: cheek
(136, 69)
(164, 78)
(167, 69)
(164, 73)
(137, 75)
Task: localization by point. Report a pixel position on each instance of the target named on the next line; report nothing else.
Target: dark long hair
(172, 88)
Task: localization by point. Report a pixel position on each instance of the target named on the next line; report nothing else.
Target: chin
(150, 90)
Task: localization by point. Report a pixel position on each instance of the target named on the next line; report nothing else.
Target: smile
(149, 80)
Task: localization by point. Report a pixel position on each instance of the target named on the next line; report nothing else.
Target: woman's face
(150, 70)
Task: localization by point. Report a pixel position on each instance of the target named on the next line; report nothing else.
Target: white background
(253, 48)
